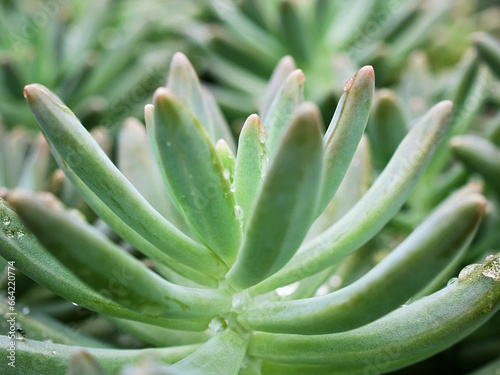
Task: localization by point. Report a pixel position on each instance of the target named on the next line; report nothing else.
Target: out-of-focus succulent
(329, 40)
(248, 280)
(96, 55)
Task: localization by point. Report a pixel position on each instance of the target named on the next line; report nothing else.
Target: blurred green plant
(247, 268)
(330, 40)
(102, 57)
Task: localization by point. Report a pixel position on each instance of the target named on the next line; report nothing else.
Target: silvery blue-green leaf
(82, 363)
(251, 162)
(375, 209)
(227, 159)
(386, 127)
(222, 354)
(136, 161)
(404, 336)
(283, 69)
(33, 357)
(479, 155)
(286, 202)
(220, 128)
(406, 270)
(38, 326)
(195, 176)
(283, 107)
(107, 268)
(489, 50)
(19, 245)
(77, 152)
(345, 130)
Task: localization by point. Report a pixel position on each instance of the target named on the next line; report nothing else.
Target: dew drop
(19, 234)
(74, 304)
(489, 258)
(322, 291)
(334, 281)
(232, 188)
(240, 302)
(452, 281)
(54, 352)
(9, 234)
(217, 325)
(466, 271)
(238, 211)
(287, 290)
(169, 144)
(226, 174)
(492, 268)
(25, 310)
(5, 221)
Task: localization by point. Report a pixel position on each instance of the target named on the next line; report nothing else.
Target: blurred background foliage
(104, 58)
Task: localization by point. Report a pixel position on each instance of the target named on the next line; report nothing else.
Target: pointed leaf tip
(366, 73)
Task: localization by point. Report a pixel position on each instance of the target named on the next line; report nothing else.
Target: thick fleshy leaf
(92, 258)
(195, 176)
(386, 127)
(345, 130)
(283, 69)
(223, 354)
(184, 83)
(286, 202)
(226, 157)
(38, 326)
(136, 161)
(375, 209)
(479, 155)
(19, 245)
(79, 153)
(35, 357)
(408, 268)
(410, 333)
(489, 50)
(250, 164)
(283, 107)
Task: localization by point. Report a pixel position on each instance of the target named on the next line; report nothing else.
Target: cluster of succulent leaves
(82, 50)
(329, 40)
(244, 261)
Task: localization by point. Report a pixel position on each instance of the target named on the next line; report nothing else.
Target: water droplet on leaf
(466, 271)
(492, 268)
(452, 281)
(217, 325)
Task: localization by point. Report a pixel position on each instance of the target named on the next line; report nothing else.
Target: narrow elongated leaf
(387, 126)
(281, 111)
(285, 204)
(136, 161)
(479, 155)
(223, 354)
(18, 244)
(375, 209)
(80, 154)
(293, 31)
(195, 176)
(105, 267)
(220, 127)
(408, 334)
(35, 357)
(489, 50)
(406, 270)
(345, 130)
(250, 164)
(283, 69)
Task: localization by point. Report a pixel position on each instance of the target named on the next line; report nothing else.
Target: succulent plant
(83, 50)
(330, 40)
(247, 281)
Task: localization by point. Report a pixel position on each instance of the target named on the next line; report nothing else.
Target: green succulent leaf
(283, 69)
(18, 244)
(406, 335)
(345, 131)
(386, 127)
(408, 268)
(33, 357)
(489, 49)
(479, 155)
(82, 363)
(250, 164)
(223, 354)
(283, 107)
(195, 176)
(286, 202)
(106, 267)
(77, 152)
(375, 209)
